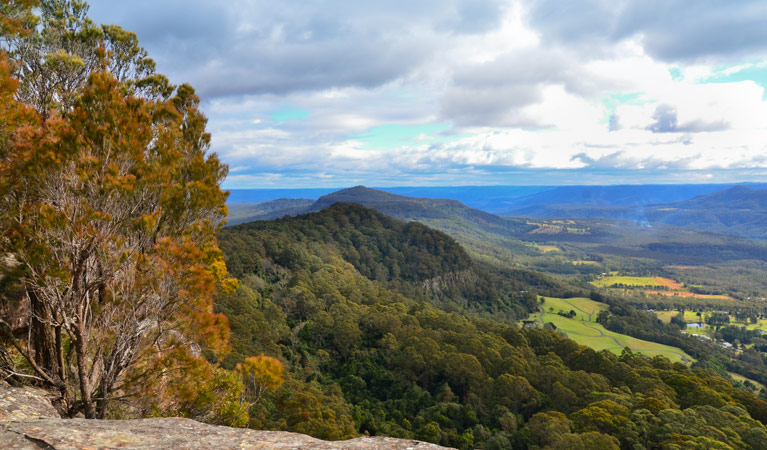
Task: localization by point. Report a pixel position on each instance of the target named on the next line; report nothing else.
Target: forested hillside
(566, 247)
(407, 257)
(321, 293)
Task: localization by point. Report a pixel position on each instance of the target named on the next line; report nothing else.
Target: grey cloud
(531, 67)
(588, 20)
(672, 30)
(158, 21)
(500, 106)
(697, 126)
(665, 119)
(473, 16)
(614, 124)
(258, 46)
(525, 66)
(495, 92)
(303, 68)
(621, 160)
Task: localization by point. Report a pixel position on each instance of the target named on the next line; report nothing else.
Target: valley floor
(583, 328)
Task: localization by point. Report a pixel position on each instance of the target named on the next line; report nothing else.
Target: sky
(335, 93)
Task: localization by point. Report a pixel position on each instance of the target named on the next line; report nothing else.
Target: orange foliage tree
(259, 374)
(108, 215)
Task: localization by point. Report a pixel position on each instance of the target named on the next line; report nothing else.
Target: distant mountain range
(486, 236)
(487, 198)
(502, 239)
(505, 200)
(626, 196)
(273, 209)
(739, 210)
(408, 208)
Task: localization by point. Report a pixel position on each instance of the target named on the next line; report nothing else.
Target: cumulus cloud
(517, 86)
(670, 30)
(258, 46)
(495, 93)
(664, 119)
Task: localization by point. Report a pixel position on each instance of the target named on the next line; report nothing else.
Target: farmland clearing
(653, 286)
(583, 328)
(691, 317)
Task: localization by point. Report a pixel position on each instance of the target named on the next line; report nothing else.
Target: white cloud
(523, 85)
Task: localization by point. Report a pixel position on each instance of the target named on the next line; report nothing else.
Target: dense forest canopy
(408, 257)
(355, 337)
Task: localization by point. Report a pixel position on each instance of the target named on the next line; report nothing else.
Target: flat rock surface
(28, 421)
(19, 403)
(167, 433)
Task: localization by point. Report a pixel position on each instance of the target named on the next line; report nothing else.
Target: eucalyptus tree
(109, 205)
(62, 47)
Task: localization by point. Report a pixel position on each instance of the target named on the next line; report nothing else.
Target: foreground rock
(28, 421)
(25, 403)
(175, 433)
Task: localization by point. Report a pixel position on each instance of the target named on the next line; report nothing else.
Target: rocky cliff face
(28, 421)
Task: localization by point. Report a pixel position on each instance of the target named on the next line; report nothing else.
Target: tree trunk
(42, 337)
(85, 392)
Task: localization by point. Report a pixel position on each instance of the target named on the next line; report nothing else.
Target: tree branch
(6, 330)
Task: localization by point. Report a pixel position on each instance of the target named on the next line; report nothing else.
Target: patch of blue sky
(676, 73)
(289, 113)
(395, 136)
(756, 72)
(615, 99)
(483, 176)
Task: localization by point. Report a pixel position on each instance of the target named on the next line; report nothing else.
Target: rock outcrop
(25, 403)
(28, 421)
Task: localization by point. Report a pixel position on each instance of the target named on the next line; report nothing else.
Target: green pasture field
(714, 297)
(544, 248)
(612, 280)
(761, 324)
(741, 378)
(585, 263)
(666, 316)
(689, 316)
(584, 308)
(692, 317)
(584, 330)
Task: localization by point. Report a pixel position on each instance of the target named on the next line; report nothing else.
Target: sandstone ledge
(28, 421)
(171, 433)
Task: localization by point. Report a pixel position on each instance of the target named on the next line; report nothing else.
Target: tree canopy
(382, 362)
(109, 206)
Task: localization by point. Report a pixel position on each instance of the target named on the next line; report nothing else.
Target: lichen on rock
(20, 403)
(29, 421)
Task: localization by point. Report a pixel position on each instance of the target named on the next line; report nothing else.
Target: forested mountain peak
(359, 193)
(379, 246)
(399, 206)
(410, 257)
(738, 197)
